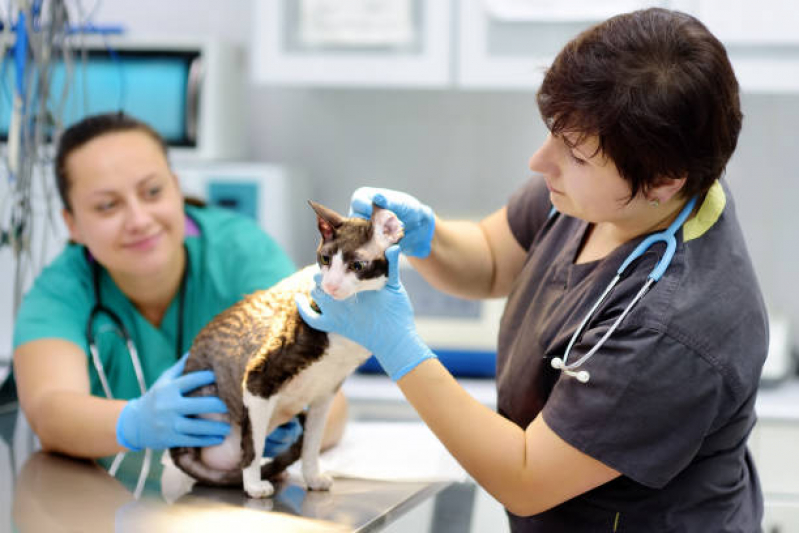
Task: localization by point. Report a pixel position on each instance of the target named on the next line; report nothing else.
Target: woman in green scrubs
(164, 269)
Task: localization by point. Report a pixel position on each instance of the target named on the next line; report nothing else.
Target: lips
(551, 188)
(145, 243)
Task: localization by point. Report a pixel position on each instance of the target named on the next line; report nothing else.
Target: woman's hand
(164, 418)
(418, 220)
(380, 321)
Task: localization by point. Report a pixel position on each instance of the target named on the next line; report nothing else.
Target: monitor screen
(152, 87)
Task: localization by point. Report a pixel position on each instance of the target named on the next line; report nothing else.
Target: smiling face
(127, 208)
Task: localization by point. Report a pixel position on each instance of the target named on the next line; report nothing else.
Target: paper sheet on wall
(560, 10)
(356, 22)
(392, 451)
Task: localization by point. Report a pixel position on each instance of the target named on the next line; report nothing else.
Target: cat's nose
(331, 288)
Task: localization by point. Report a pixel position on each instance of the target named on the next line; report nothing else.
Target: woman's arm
(528, 470)
(53, 387)
(471, 259)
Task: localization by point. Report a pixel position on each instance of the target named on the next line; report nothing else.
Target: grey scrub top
(670, 402)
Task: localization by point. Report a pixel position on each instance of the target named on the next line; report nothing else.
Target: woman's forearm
(77, 424)
(460, 261)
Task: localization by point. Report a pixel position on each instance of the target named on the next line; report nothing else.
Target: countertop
(47, 492)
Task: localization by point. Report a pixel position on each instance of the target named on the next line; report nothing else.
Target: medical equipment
(96, 311)
(667, 236)
(266, 192)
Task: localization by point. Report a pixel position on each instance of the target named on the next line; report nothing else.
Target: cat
(270, 366)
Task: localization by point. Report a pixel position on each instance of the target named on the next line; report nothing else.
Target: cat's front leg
(312, 443)
(259, 412)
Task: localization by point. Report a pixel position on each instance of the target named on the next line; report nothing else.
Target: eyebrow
(139, 183)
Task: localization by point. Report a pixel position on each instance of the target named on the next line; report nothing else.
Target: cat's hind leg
(312, 443)
(259, 411)
(174, 481)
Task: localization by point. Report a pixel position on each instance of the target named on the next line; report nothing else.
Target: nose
(544, 160)
(137, 217)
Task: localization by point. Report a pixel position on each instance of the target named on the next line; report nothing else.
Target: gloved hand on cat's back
(381, 321)
(418, 220)
(162, 417)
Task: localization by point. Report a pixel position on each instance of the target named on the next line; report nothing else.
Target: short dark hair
(88, 129)
(659, 92)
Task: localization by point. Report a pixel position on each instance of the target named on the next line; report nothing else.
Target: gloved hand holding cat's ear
(163, 417)
(380, 321)
(418, 220)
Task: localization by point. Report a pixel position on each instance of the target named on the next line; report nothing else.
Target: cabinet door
(360, 43)
(781, 517)
(508, 44)
(773, 445)
(762, 39)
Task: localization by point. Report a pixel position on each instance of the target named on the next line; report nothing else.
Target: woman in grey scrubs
(643, 112)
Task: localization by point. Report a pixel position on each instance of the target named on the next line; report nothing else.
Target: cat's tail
(281, 462)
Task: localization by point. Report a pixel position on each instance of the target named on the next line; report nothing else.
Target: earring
(654, 202)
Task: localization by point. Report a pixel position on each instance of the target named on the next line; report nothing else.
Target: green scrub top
(229, 258)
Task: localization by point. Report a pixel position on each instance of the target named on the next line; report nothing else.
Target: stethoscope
(96, 311)
(667, 236)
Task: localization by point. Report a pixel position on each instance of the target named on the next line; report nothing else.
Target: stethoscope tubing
(667, 236)
(98, 309)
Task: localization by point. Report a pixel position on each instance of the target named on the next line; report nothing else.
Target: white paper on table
(390, 451)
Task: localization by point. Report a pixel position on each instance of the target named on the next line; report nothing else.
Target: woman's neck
(151, 295)
(602, 239)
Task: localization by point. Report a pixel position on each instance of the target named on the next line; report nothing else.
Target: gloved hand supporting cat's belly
(227, 456)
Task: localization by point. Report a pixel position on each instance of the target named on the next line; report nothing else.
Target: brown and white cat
(270, 366)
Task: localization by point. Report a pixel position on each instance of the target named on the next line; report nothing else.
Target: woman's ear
(69, 220)
(666, 189)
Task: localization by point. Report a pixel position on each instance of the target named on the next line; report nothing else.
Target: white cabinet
(762, 39)
(773, 444)
(508, 44)
(489, 44)
(389, 43)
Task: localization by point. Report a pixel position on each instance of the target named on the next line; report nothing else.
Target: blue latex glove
(282, 437)
(380, 321)
(418, 220)
(161, 417)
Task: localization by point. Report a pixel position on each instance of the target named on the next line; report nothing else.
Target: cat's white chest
(322, 377)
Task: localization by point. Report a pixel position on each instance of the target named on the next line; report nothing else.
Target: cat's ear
(327, 220)
(387, 227)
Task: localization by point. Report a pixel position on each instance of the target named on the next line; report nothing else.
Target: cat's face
(351, 255)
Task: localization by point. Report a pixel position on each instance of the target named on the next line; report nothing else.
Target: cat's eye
(324, 259)
(357, 266)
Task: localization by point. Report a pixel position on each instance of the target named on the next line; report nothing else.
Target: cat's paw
(319, 482)
(259, 489)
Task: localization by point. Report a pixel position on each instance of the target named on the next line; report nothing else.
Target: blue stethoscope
(667, 236)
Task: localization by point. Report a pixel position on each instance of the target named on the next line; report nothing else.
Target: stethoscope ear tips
(582, 376)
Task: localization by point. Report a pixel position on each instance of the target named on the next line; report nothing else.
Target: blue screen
(150, 87)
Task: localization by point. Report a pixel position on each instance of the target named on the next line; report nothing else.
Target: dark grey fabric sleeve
(648, 406)
(528, 210)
